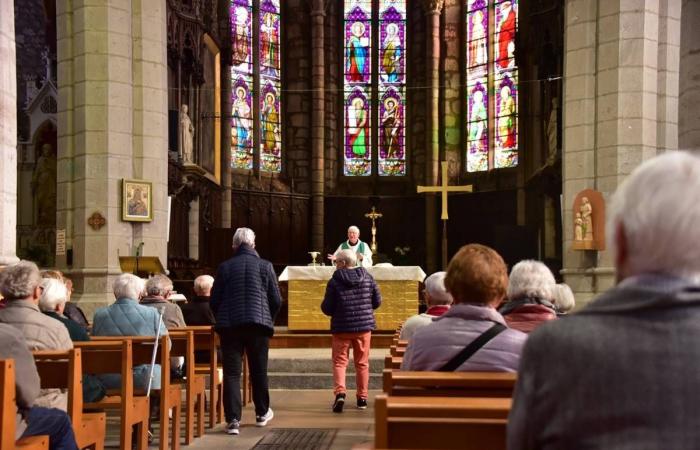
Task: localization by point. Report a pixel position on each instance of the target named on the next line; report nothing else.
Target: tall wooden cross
(374, 215)
(444, 189)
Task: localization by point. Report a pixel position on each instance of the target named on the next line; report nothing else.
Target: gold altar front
(399, 301)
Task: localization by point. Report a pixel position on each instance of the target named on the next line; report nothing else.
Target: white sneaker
(261, 421)
(232, 427)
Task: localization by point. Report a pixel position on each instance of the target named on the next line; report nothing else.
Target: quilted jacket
(126, 317)
(245, 292)
(351, 297)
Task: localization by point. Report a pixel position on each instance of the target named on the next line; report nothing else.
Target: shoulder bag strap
(473, 347)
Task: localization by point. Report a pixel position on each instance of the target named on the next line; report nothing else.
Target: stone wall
(689, 101)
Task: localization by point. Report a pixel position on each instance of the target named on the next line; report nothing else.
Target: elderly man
(351, 297)
(621, 373)
(197, 311)
(438, 300)
(361, 249)
(472, 335)
(20, 284)
(530, 293)
(245, 300)
(52, 303)
(158, 289)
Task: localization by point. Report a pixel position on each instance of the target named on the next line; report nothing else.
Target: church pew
(64, 370)
(439, 384)
(392, 362)
(441, 422)
(395, 350)
(206, 339)
(183, 345)
(8, 411)
(116, 356)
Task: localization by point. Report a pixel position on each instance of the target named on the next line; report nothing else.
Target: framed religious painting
(137, 201)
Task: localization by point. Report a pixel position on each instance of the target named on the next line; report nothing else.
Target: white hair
(658, 211)
(563, 298)
(435, 288)
(243, 236)
(19, 280)
(353, 228)
(159, 285)
(128, 285)
(203, 284)
(55, 293)
(348, 257)
(530, 278)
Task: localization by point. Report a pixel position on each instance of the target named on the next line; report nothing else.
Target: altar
(307, 285)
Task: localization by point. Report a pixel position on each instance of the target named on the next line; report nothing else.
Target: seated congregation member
(20, 284)
(71, 310)
(438, 300)
(621, 373)
(52, 303)
(33, 420)
(563, 299)
(197, 311)
(472, 335)
(158, 289)
(530, 292)
(351, 297)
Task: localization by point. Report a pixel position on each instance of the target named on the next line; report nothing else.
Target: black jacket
(198, 312)
(351, 296)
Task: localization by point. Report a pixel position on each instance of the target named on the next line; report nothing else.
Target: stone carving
(44, 186)
(586, 211)
(433, 6)
(96, 221)
(578, 227)
(186, 135)
(589, 221)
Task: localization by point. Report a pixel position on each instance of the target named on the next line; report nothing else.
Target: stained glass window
(366, 79)
(248, 70)
(492, 84)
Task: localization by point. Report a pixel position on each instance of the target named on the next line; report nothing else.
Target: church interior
(139, 136)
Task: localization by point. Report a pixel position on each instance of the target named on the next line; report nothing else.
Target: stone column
(619, 97)
(112, 125)
(8, 135)
(318, 74)
(689, 108)
(433, 9)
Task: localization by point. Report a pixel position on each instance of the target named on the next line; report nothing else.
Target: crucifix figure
(444, 189)
(374, 215)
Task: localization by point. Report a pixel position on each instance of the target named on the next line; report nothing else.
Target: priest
(362, 249)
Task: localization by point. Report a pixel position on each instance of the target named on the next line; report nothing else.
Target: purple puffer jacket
(351, 296)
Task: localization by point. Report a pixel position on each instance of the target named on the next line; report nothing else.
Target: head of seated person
(202, 286)
(158, 288)
(21, 281)
(477, 279)
(438, 301)
(563, 298)
(53, 297)
(529, 296)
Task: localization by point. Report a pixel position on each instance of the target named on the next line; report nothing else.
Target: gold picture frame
(137, 201)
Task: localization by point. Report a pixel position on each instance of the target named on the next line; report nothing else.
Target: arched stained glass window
(492, 120)
(374, 129)
(256, 79)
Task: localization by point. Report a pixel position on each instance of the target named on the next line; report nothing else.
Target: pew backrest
(63, 370)
(463, 384)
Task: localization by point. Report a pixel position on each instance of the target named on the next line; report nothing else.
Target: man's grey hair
(530, 278)
(55, 293)
(347, 256)
(658, 212)
(353, 228)
(19, 280)
(243, 236)
(563, 298)
(128, 285)
(159, 285)
(203, 284)
(435, 288)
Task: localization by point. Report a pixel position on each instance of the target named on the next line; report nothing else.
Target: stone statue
(586, 211)
(186, 135)
(44, 187)
(578, 227)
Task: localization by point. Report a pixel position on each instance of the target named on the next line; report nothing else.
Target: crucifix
(374, 215)
(444, 189)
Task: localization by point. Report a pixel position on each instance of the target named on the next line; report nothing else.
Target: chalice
(314, 255)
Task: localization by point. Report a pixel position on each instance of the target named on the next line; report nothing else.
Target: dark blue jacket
(351, 295)
(245, 291)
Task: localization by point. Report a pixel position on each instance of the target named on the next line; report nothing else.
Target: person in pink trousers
(351, 297)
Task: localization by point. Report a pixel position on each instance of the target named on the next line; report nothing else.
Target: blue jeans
(53, 422)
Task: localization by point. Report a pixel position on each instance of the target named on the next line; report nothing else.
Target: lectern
(141, 266)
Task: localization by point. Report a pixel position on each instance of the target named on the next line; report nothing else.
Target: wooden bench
(206, 339)
(440, 422)
(398, 349)
(64, 370)
(392, 362)
(8, 413)
(106, 357)
(195, 398)
(439, 384)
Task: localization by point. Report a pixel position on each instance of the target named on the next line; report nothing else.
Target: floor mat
(295, 438)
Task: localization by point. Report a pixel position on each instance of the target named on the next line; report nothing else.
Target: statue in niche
(44, 186)
(586, 211)
(186, 135)
(578, 227)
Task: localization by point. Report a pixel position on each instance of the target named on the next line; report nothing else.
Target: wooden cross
(444, 188)
(374, 215)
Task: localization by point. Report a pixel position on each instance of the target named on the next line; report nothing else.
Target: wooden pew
(64, 370)
(439, 384)
(205, 338)
(104, 357)
(8, 413)
(183, 345)
(398, 349)
(440, 422)
(392, 362)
